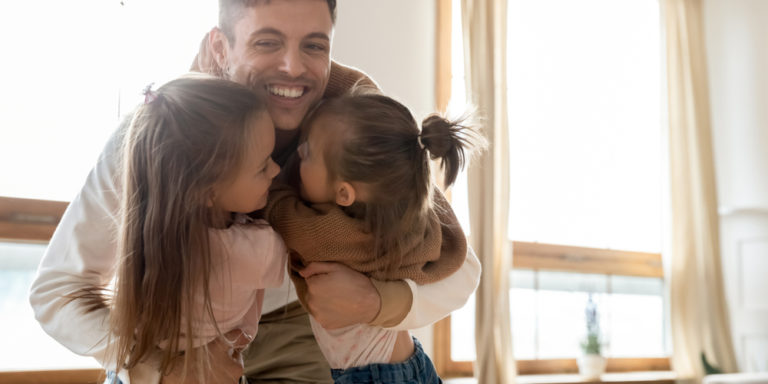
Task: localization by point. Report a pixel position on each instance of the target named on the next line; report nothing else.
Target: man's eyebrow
(267, 31)
(318, 35)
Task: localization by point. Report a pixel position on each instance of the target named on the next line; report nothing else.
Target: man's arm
(338, 296)
(432, 302)
(81, 255)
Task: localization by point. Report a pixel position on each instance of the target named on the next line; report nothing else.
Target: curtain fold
(699, 314)
(484, 31)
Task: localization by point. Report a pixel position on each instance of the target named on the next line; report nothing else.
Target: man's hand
(338, 296)
(225, 358)
(204, 60)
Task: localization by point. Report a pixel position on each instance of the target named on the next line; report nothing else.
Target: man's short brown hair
(231, 10)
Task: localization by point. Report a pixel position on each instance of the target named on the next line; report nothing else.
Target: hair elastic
(149, 94)
(419, 140)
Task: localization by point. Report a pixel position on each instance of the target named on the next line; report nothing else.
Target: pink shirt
(246, 259)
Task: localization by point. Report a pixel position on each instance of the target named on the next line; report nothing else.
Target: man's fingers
(318, 268)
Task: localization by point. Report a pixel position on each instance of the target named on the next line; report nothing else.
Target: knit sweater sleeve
(343, 78)
(317, 232)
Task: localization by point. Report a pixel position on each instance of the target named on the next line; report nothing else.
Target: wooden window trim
(539, 256)
(552, 257)
(29, 219)
(68, 376)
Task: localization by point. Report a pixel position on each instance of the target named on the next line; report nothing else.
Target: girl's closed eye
(263, 168)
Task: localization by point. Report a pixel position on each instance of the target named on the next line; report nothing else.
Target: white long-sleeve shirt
(83, 254)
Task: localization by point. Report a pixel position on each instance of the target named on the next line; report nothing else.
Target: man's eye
(266, 43)
(316, 47)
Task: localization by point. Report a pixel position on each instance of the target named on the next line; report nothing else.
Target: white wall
(737, 52)
(394, 42)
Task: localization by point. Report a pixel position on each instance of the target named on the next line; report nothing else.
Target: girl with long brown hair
(193, 267)
(366, 198)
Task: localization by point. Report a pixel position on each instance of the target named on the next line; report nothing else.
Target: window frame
(63, 376)
(563, 258)
(34, 221)
(29, 219)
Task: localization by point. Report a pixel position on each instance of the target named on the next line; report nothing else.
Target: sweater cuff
(396, 301)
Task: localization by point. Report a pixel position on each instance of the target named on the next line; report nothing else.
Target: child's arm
(342, 297)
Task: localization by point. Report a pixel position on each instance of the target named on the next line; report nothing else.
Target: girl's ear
(345, 194)
(209, 201)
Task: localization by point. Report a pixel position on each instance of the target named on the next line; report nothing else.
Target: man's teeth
(287, 92)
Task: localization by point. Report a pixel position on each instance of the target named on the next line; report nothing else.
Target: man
(284, 47)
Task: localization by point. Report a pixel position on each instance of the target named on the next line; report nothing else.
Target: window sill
(67, 376)
(651, 377)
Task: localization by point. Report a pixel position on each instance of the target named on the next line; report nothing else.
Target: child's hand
(338, 296)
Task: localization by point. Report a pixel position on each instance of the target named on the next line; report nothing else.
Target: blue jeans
(112, 378)
(418, 369)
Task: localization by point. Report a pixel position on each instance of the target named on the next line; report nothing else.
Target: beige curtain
(698, 309)
(484, 27)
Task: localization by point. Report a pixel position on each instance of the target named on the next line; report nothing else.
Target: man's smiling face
(285, 47)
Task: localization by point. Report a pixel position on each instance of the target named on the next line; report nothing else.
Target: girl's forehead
(328, 124)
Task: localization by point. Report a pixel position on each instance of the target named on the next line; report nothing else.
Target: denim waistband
(416, 368)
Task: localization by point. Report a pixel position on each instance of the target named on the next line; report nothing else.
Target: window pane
(31, 347)
(82, 65)
(585, 123)
(463, 332)
(561, 301)
(524, 322)
(636, 322)
(548, 319)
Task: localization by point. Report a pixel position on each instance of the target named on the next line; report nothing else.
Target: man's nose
(293, 63)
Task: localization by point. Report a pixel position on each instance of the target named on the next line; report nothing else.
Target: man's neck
(285, 142)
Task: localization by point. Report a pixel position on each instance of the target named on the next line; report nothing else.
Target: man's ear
(345, 194)
(219, 44)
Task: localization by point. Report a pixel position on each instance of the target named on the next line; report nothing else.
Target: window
(586, 136)
(78, 68)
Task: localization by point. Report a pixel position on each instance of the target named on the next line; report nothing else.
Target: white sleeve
(434, 301)
(82, 254)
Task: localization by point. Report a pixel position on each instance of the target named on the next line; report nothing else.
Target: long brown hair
(382, 147)
(191, 136)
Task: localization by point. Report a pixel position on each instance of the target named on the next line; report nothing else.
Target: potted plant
(591, 362)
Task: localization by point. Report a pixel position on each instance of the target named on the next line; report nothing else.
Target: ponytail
(451, 141)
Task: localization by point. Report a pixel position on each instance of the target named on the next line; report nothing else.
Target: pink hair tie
(149, 94)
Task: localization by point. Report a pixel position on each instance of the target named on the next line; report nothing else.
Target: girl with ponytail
(366, 198)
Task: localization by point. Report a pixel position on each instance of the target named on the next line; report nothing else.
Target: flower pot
(591, 366)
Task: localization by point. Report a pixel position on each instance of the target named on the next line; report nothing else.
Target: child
(193, 267)
(371, 204)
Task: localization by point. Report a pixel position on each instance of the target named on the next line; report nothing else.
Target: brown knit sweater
(343, 78)
(323, 232)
